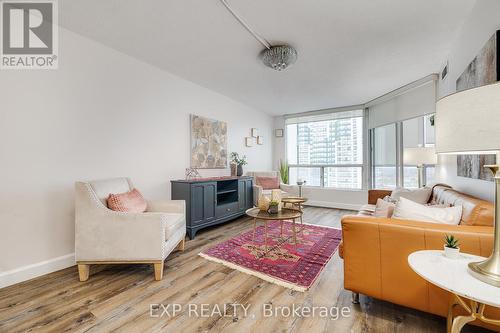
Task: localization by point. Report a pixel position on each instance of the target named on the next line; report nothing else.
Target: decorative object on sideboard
(455, 135)
(239, 161)
(208, 143)
(420, 156)
(254, 133)
(277, 57)
(484, 68)
(192, 173)
(284, 172)
(234, 169)
(278, 132)
(472, 166)
(260, 140)
(451, 248)
(249, 141)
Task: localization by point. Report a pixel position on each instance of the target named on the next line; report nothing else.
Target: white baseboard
(328, 204)
(27, 272)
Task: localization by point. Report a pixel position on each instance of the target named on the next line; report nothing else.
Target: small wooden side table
(451, 275)
(296, 203)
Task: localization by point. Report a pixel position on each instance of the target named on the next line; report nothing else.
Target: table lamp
(468, 122)
(420, 156)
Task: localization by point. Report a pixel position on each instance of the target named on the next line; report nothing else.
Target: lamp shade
(419, 156)
(469, 121)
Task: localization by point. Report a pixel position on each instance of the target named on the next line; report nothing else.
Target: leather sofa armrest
(373, 195)
(375, 253)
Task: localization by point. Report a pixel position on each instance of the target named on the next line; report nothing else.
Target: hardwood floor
(118, 298)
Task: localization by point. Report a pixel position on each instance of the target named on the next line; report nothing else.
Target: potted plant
(239, 162)
(284, 172)
(451, 248)
(273, 207)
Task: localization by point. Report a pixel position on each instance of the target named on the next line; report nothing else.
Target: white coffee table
(452, 275)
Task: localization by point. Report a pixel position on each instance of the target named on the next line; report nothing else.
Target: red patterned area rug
(284, 263)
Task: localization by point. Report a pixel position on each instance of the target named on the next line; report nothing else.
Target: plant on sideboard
(284, 171)
(239, 162)
(451, 247)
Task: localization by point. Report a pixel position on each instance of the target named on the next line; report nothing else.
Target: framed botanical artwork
(249, 141)
(208, 143)
(278, 133)
(255, 132)
(260, 140)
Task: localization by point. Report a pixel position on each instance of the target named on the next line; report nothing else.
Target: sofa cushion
(419, 195)
(268, 183)
(475, 211)
(102, 188)
(384, 209)
(130, 202)
(175, 222)
(408, 210)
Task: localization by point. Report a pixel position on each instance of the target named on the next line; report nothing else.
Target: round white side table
(452, 275)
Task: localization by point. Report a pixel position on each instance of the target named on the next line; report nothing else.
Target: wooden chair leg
(83, 272)
(182, 245)
(158, 270)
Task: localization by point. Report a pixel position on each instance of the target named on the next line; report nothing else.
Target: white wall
(101, 114)
(483, 21)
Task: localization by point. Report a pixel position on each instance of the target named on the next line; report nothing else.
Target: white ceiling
(350, 51)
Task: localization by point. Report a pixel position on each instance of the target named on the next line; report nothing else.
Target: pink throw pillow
(384, 209)
(268, 183)
(130, 202)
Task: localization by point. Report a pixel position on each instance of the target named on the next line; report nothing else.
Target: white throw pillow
(408, 210)
(419, 195)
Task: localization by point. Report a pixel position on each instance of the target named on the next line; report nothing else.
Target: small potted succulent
(273, 207)
(451, 248)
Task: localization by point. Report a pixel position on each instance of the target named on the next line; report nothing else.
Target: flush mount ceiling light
(277, 57)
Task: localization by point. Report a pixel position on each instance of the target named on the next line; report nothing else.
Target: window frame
(399, 152)
(322, 167)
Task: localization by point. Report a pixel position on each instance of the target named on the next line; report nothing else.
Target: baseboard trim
(328, 204)
(28, 272)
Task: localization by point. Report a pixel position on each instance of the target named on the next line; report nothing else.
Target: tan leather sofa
(375, 251)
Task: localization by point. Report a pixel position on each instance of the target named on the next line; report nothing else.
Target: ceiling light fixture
(277, 57)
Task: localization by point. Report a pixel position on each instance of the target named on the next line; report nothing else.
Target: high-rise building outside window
(327, 150)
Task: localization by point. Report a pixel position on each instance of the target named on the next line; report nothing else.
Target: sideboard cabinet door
(202, 202)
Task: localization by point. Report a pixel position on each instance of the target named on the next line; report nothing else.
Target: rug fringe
(262, 276)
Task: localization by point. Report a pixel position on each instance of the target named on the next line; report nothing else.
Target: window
(326, 150)
(388, 143)
(384, 156)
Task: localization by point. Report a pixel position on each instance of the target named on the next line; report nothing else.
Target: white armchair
(104, 236)
(286, 190)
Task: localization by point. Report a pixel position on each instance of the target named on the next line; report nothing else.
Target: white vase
(451, 253)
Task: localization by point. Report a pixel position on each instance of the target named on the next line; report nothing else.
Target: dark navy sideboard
(210, 201)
